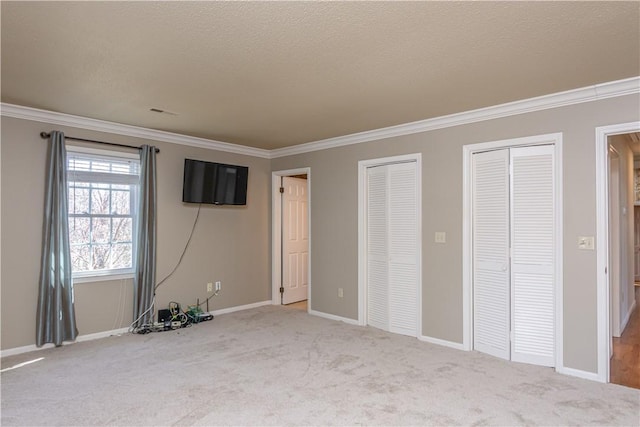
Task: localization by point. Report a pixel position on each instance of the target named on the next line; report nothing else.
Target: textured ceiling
(275, 74)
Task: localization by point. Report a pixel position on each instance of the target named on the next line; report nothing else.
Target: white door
(491, 295)
(295, 240)
(377, 248)
(533, 255)
(513, 254)
(392, 248)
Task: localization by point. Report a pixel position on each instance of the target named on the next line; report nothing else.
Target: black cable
(193, 228)
(207, 300)
(184, 251)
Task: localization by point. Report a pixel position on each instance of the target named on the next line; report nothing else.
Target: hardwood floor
(625, 363)
(301, 305)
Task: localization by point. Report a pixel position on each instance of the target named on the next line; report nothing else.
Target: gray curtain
(144, 286)
(55, 317)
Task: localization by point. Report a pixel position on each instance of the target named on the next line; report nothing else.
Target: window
(103, 191)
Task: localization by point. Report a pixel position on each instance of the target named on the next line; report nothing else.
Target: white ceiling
(276, 74)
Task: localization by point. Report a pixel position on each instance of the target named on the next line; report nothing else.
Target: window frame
(110, 178)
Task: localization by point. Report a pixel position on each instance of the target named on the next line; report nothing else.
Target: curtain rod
(45, 135)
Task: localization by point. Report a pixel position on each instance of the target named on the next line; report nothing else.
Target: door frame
(363, 165)
(615, 243)
(276, 232)
(602, 235)
(554, 139)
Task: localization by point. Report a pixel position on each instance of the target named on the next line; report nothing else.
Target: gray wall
(334, 230)
(230, 244)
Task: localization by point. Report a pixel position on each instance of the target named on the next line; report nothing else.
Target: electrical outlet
(441, 237)
(209, 287)
(340, 293)
(218, 286)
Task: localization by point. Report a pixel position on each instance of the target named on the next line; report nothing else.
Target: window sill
(103, 278)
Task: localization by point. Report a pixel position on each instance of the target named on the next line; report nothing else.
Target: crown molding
(61, 119)
(561, 99)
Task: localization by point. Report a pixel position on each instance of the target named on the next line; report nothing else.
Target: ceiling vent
(158, 110)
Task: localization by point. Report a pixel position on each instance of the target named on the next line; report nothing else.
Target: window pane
(120, 203)
(108, 164)
(79, 231)
(121, 255)
(78, 198)
(80, 257)
(121, 168)
(79, 164)
(100, 201)
(100, 256)
(101, 230)
(98, 166)
(122, 230)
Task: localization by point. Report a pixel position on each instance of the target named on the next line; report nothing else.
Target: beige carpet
(280, 366)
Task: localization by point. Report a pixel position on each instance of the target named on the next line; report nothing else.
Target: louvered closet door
(403, 244)
(392, 264)
(377, 248)
(491, 291)
(532, 262)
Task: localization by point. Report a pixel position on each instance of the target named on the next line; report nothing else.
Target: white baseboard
(104, 334)
(24, 349)
(627, 317)
(240, 308)
(579, 373)
(79, 338)
(334, 317)
(99, 335)
(445, 343)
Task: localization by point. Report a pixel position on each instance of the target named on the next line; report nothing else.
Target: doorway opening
(616, 195)
(291, 238)
(623, 242)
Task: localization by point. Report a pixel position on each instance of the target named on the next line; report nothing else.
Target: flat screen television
(214, 183)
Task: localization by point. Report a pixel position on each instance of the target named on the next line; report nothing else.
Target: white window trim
(104, 276)
(100, 152)
(111, 274)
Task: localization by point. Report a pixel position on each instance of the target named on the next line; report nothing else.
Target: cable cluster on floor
(175, 318)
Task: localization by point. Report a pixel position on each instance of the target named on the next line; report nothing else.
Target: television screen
(214, 183)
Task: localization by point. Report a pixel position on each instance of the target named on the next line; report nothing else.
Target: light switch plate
(586, 242)
(441, 237)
